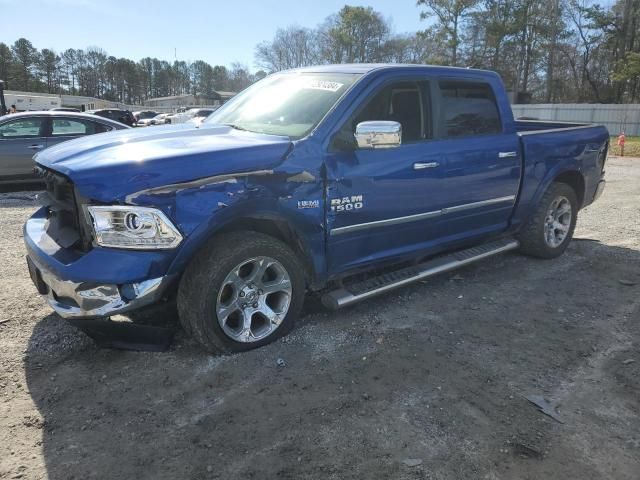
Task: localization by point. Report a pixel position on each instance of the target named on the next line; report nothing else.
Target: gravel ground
(425, 383)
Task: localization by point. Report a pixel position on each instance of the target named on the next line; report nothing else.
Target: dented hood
(110, 166)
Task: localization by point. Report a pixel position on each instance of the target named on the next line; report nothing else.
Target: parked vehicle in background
(197, 114)
(3, 104)
(200, 116)
(304, 182)
(22, 135)
(160, 119)
(144, 115)
(118, 115)
(170, 118)
(146, 122)
(157, 120)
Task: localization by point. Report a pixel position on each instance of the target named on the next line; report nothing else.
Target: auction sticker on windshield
(324, 85)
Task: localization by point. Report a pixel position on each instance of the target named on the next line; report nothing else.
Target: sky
(214, 31)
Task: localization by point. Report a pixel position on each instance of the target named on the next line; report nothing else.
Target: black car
(116, 114)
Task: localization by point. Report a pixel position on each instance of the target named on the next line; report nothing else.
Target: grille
(63, 223)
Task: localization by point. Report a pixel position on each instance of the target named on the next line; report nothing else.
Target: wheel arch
(274, 225)
(575, 180)
(535, 185)
(278, 228)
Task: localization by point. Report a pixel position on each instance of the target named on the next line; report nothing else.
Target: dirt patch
(428, 382)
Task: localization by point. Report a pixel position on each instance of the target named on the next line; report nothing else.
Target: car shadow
(11, 187)
(185, 414)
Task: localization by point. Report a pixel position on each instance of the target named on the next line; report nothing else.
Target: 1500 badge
(347, 204)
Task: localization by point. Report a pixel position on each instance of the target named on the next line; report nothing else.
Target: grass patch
(631, 146)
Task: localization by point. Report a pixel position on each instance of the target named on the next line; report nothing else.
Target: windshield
(289, 104)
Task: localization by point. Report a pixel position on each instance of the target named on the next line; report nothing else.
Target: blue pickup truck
(345, 180)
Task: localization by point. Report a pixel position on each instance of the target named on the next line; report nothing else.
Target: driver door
(379, 201)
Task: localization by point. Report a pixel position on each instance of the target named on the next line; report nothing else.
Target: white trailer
(25, 102)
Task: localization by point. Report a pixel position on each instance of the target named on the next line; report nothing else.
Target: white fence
(615, 117)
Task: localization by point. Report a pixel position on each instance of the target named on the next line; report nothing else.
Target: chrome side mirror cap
(378, 134)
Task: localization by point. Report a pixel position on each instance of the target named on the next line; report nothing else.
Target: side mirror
(378, 134)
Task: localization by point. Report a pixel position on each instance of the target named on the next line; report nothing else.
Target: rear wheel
(549, 230)
(243, 291)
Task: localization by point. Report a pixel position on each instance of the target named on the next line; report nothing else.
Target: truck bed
(549, 148)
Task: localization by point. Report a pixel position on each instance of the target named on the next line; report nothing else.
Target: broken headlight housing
(132, 227)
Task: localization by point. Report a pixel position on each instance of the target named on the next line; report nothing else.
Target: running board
(356, 292)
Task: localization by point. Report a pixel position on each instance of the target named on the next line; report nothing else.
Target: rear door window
(22, 128)
(467, 108)
(63, 127)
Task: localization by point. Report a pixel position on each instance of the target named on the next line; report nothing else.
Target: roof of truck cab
(363, 68)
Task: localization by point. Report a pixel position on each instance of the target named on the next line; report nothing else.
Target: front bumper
(99, 283)
(89, 300)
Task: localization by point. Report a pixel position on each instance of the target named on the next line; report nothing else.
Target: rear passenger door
(481, 164)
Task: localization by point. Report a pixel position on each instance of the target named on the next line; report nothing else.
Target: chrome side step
(388, 281)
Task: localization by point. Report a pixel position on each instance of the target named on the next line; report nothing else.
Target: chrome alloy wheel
(557, 222)
(254, 299)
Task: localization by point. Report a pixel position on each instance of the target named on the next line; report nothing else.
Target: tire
(230, 281)
(535, 237)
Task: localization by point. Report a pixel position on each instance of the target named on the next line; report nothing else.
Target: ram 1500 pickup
(345, 180)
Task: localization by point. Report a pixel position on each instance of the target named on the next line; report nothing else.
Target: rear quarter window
(467, 109)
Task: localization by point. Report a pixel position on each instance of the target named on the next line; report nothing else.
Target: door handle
(35, 147)
(507, 154)
(423, 165)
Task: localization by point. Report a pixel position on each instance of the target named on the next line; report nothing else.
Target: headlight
(133, 227)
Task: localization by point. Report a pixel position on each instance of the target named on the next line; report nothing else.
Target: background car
(157, 120)
(195, 115)
(160, 119)
(171, 117)
(22, 135)
(116, 114)
(144, 115)
(145, 122)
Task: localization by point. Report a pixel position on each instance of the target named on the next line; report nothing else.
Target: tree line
(546, 50)
(95, 73)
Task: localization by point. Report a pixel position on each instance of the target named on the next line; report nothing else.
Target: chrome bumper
(90, 300)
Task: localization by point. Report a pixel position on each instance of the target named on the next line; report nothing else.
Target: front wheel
(549, 230)
(243, 291)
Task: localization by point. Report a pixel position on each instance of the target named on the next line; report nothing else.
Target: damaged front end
(86, 284)
(78, 279)
(114, 233)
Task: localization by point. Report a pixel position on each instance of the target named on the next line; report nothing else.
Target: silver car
(22, 135)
